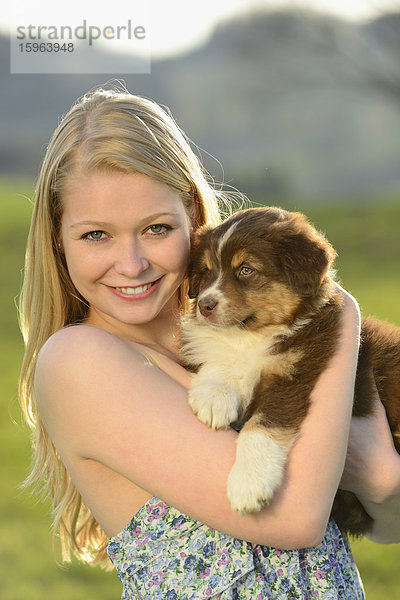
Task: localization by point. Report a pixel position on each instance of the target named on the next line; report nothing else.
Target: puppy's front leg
(214, 400)
(261, 455)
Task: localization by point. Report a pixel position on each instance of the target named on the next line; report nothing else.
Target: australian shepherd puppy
(264, 323)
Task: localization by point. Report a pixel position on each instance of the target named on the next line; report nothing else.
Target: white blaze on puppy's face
(225, 237)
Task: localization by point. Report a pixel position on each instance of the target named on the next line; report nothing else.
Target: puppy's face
(256, 268)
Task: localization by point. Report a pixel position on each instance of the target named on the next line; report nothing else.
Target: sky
(174, 26)
(198, 24)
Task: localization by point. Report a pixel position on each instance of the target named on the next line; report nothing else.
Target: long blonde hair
(112, 130)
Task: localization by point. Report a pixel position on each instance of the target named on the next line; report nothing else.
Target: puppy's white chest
(240, 363)
(234, 353)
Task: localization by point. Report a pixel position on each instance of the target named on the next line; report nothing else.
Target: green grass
(366, 237)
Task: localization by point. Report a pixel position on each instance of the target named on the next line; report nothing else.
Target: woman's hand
(372, 472)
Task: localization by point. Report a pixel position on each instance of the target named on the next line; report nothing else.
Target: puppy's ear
(305, 255)
(198, 244)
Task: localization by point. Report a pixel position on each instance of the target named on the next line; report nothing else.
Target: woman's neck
(161, 334)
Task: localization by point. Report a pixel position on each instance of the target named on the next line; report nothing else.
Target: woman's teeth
(136, 290)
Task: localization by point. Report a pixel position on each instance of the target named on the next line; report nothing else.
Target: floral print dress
(164, 554)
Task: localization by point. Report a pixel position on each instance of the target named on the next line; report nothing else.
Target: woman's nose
(131, 259)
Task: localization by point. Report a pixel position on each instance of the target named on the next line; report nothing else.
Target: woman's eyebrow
(146, 218)
(90, 223)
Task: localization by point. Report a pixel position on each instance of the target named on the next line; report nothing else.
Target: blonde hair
(107, 130)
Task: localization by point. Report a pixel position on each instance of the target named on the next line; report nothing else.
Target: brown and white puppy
(263, 326)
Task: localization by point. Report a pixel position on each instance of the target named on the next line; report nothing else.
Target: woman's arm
(100, 400)
(372, 472)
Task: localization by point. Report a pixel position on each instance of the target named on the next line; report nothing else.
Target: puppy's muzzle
(207, 305)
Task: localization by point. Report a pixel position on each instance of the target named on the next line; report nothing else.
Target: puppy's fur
(264, 324)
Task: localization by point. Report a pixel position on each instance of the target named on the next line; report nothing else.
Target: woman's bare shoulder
(87, 346)
(80, 353)
(80, 342)
(73, 336)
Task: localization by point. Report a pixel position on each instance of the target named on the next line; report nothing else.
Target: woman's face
(126, 241)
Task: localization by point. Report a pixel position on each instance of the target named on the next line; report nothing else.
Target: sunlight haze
(174, 27)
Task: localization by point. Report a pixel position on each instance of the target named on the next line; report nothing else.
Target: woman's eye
(94, 236)
(245, 271)
(159, 229)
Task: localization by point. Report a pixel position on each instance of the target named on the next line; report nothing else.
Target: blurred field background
(367, 240)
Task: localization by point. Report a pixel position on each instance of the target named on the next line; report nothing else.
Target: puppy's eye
(245, 271)
(205, 267)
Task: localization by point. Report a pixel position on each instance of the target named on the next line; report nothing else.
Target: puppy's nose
(207, 305)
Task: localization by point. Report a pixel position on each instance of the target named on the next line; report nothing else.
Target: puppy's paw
(215, 405)
(257, 472)
(249, 491)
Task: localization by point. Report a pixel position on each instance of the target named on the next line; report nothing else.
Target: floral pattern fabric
(163, 554)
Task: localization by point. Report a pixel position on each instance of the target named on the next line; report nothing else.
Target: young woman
(127, 464)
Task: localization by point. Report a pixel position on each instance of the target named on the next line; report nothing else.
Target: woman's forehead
(103, 195)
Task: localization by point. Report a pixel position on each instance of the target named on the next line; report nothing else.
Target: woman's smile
(138, 292)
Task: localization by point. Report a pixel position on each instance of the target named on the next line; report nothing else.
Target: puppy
(264, 323)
